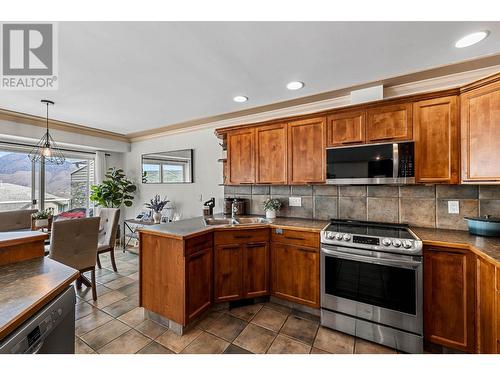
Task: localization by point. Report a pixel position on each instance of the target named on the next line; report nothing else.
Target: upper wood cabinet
(271, 154)
(480, 133)
(389, 123)
(449, 297)
(241, 156)
(346, 128)
(436, 134)
(307, 151)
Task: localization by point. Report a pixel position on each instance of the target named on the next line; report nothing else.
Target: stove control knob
(386, 242)
(338, 236)
(330, 235)
(347, 237)
(406, 244)
(396, 243)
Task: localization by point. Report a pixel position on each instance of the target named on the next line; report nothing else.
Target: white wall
(186, 197)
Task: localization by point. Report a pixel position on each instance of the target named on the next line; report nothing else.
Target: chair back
(108, 227)
(15, 220)
(74, 242)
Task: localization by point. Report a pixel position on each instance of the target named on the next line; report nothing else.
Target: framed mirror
(169, 167)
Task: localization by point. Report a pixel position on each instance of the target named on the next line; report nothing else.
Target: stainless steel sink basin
(239, 221)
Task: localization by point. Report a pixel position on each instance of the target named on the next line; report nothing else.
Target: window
(18, 183)
(173, 172)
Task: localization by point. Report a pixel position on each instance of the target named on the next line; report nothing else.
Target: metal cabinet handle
(294, 238)
(254, 245)
(242, 236)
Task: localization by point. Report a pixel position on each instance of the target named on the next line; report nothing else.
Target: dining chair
(74, 243)
(15, 220)
(107, 234)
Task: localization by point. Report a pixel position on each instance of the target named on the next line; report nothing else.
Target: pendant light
(46, 147)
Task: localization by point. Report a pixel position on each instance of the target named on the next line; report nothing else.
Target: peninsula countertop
(27, 286)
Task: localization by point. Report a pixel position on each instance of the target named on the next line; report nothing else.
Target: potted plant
(41, 218)
(271, 205)
(156, 204)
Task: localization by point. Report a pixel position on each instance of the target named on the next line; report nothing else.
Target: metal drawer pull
(242, 236)
(294, 238)
(255, 245)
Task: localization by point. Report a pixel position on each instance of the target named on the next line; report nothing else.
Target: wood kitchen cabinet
(271, 154)
(449, 297)
(480, 133)
(241, 264)
(307, 151)
(198, 292)
(241, 156)
(389, 123)
(346, 128)
(437, 142)
(486, 309)
(295, 267)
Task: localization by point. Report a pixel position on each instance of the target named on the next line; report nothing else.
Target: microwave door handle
(395, 160)
(366, 259)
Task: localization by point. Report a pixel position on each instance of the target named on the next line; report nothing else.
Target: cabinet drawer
(195, 244)
(295, 237)
(241, 236)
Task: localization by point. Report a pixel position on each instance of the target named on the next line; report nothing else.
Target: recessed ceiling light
(295, 85)
(240, 99)
(471, 39)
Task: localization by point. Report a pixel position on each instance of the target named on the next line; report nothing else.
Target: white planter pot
(270, 214)
(41, 223)
(157, 217)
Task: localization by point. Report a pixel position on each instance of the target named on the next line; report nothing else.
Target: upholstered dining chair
(74, 243)
(107, 234)
(15, 220)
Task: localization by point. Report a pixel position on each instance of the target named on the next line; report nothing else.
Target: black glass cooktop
(370, 229)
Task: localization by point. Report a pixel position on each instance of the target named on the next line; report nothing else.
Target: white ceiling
(131, 76)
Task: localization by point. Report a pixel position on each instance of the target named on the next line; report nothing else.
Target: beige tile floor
(116, 324)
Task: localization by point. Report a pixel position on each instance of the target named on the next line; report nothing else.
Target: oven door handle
(366, 259)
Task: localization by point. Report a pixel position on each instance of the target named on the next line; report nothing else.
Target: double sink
(236, 221)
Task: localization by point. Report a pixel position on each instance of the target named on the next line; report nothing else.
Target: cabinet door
(389, 123)
(295, 274)
(449, 298)
(435, 126)
(198, 283)
(307, 151)
(480, 122)
(485, 308)
(271, 154)
(241, 156)
(346, 128)
(256, 270)
(228, 273)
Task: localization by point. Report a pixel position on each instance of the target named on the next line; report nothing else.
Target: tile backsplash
(419, 205)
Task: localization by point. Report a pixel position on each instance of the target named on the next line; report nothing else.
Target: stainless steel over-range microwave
(388, 163)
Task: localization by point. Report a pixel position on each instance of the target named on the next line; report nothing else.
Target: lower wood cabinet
(198, 291)
(228, 272)
(486, 309)
(295, 273)
(449, 297)
(255, 270)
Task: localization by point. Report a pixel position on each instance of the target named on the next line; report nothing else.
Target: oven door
(375, 286)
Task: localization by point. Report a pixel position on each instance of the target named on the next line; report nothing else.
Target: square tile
(121, 307)
(151, 329)
(83, 309)
(385, 210)
(82, 348)
(330, 190)
(352, 208)
(107, 299)
(305, 211)
(278, 307)
(318, 351)
(489, 192)
(367, 347)
(206, 343)
(120, 282)
(417, 191)
(255, 339)
(227, 327)
(86, 293)
(286, 345)
(246, 312)
(106, 278)
(177, 343)
(300, 329)
(467, 207)
(256, 202)
(420, 212)
(457, 191)
(208, 318)
(261, 189)
(352, 191)
(301, 190)
(104, 334)
(93, 320)
(270, 319)
(154, 348)
(383, 191)
(325, 207)
(234, 349)
(133, 317)
(280, 190)
(334, 342)
(489, 207)
(128, 343)
(130, 289)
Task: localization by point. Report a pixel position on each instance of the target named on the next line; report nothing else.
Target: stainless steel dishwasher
(50, 331)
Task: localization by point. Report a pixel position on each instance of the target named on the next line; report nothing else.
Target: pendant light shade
(46, 147)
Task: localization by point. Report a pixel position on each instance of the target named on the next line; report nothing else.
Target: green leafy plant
(156, 204)
(44, 214)
(114, 191)
(271, 204)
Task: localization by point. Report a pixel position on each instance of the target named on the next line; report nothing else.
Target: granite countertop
(27, 286)
(192, 227)
(484, 246)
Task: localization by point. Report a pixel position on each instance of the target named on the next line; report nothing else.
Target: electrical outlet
(453, 207)
(295, 201)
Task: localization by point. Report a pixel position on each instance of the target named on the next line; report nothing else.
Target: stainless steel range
(371, 282)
